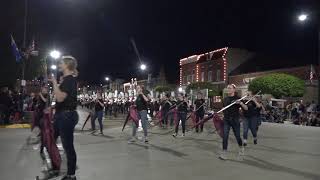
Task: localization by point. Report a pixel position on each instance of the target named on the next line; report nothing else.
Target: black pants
(164, 117)
(181, 116)
(199, 117)
(235, 125)
(64, 123)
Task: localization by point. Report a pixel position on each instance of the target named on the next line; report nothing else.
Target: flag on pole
(31, 50)
(15, 50)
(312, 73)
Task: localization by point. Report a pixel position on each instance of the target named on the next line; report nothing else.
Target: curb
(15, 126)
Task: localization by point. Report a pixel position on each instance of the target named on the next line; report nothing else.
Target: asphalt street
(284, 152)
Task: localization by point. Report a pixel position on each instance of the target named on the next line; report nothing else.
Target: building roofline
(195, 58)
(278, 69)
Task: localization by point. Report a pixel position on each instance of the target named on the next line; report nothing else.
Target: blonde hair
(72, 64)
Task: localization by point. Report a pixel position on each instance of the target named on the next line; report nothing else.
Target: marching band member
(98, 113)
(251, 119)
(165, 106)
(142, 108)
(171, 115)
(41, 106)
(231, 120)
(182, 107)
(199, 110)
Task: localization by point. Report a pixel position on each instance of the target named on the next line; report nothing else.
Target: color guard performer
(199, 110)
(251, 119)
(142, 108)
(231, 120)
(66, 116)
(182, 107)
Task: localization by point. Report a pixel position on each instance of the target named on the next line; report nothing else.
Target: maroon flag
(132, 115)
(50, 141)
(218, 124)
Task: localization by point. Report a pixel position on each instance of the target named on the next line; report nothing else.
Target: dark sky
(98, 32)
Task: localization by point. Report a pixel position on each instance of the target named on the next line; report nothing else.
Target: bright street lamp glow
(302, 17)
(143, 67)
(55, 54)
(180, 89)
(54, 67)
(107, 78)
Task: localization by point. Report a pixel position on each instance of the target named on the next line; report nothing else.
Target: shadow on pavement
(286, 151)
(265, 165)
(103, 136)
(163, 149)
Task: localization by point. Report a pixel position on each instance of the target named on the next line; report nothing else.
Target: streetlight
(302, 17)
(143, 67)
(180, 89)
(107, 78)
(55, 54)
(53, 67)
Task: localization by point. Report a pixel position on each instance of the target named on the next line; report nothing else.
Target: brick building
(213, 67)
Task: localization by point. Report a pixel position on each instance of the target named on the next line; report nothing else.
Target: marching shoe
(241, 151)
(244, 142)
(146, 140)
(132, 140)
(174, 135)
(255, 141)
(223, 155)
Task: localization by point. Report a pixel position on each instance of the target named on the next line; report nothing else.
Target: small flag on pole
(31, 51)
(15, 50)
(312, 73)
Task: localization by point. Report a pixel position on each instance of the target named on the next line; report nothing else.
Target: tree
(163, 88)
(279, 85)
(212, 90)
(162, 76)
(34, 67)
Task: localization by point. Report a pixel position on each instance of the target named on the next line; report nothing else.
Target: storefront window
(210, 76)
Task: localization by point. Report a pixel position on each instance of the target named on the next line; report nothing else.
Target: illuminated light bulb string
(195, 58)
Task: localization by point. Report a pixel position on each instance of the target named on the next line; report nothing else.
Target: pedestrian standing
(142, 107)
(66, 116)
(231, 120)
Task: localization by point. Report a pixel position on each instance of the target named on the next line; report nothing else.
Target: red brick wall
(203, 67)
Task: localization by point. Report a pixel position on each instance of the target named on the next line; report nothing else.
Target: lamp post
(302, 18)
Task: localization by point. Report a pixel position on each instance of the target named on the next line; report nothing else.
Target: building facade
(213, 66)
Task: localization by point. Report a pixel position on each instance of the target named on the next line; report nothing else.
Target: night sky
(98, 32)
